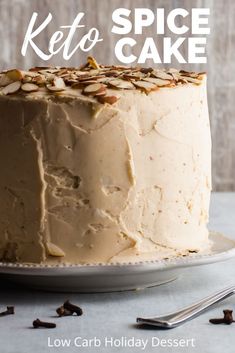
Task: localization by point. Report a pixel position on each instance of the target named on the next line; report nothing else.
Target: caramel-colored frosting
(89, 179)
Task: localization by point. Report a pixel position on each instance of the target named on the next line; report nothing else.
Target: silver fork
(180, 317)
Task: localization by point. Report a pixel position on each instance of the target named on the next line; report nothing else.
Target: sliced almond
(48, 72)
(135, 76)
(53, 71)
(62, 72)
(88, 82)
(145, 86)
(186, 73)
(94, 72)
(39, 79)
(191, 80)
(59, 83)
(27, 79)
(94, 88)
(192, 74)
(112, 73)
(108, 99)
(102, 93)
(203, 73)
(92, 62)
(49, 77)
(90, 78)
(4, 80)
(52, 88)
(73, 76)
(173, 70)
(175, 76)
(83, 77)
(120, 67)
(65, 76)
(121, 84)
(157, 81)
(161, 74)
(195, 75)
(181, 80)
(77, 85)
(14, 75)
(54, 250)
(11, 88)
(105, 79)
(146, 70)
(80, 73)
(70, 82)
(29, 87)
(39, 68)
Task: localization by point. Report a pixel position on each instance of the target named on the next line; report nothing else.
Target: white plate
(115, 277)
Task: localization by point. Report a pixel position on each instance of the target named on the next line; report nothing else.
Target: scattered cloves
(69, 309)
(38, 323)
(227, 319)
(10, 311)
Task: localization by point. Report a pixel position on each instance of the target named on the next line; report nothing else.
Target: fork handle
(194, 310)
(179, 317)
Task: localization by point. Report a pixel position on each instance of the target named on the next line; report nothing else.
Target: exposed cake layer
(89, 179)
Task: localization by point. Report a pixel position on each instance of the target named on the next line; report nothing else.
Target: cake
(103, 164)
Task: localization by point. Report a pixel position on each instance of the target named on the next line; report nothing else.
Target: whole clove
(38, 323)
(227, 319)
(61, 311)
(10, 311)
(69, 309)
(73, 308)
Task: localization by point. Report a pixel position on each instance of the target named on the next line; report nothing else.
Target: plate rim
(195, 259)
